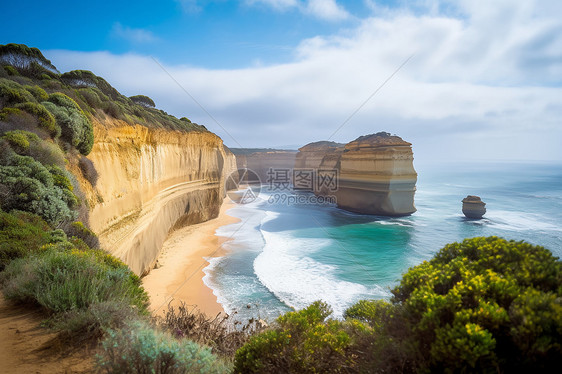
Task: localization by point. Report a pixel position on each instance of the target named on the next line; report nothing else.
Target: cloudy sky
(461, 80)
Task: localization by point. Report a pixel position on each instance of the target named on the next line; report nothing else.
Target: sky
(464, 80)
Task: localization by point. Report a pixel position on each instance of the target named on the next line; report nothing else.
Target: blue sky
(483, 79)
(212, 34)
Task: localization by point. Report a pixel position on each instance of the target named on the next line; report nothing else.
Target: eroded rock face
(473, 207)
(150, 182)
(375, 173)
(261, 162)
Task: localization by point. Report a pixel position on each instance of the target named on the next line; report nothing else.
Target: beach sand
(179, 274)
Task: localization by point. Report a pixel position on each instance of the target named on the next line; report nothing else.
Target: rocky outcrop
(151, 181)
(262, 162)
(473, 207)
(375, 173)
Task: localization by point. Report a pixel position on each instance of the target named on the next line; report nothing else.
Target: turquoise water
(283, 256)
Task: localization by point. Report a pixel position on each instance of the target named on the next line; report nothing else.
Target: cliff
(261, 161)
(375, 173)
(151, 181)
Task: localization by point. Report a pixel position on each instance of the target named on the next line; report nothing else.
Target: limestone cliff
(375, 173)
(260, 162)
(149, 182)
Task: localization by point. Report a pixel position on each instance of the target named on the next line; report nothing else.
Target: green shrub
(21, 234)
(13, 93)
(78, 230)
(27, 185)
(485, 304)
(90, 323)
(302, 342)
(141, 349)
(44, 117)
(75, 126)
(11, 70)
(61, 281)
(38, 93)
(19, 139)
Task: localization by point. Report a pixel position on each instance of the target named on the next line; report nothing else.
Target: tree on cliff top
(24, 58)
(143, 100)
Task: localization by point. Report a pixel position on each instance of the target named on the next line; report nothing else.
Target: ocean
(283, 256)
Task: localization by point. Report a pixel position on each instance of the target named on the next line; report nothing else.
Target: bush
(75, 126)
(21, 234)
(61, 281)
(78, 230)
(221, 333)
(19, 139)
(141, 349)
(38, 93)
(302, 342)
(13, 93)
(88, 170)
(485, 304)
(11, 70)
(44, 117)
(78, 325)
(27, 185)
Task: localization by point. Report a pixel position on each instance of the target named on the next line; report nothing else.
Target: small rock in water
(248, 306)
(473, 207)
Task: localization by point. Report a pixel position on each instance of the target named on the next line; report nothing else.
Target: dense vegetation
(483, 305)
(48, 258)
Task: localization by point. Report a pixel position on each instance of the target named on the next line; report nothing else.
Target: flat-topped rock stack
(375, 173)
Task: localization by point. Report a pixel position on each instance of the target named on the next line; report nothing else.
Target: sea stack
(375, 173)
(377, 176)
(473, 207)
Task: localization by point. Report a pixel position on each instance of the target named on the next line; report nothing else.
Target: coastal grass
(222, 333)
(141, 348)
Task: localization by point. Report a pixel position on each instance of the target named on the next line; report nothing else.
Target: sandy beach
(179, 273)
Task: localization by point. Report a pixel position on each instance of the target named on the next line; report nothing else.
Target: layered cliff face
(375, 173)
(149, 182)
(261, 162)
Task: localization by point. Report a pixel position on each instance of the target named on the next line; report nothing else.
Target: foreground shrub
(302, 342)
(87, 324)
(141, 349)
(221, 333)
(485, 304)
(61, 281)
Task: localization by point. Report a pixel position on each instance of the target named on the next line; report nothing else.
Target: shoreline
(178, 276)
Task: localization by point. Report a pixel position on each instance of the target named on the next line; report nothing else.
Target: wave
(288, 271)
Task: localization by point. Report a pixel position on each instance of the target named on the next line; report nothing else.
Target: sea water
(283, 256)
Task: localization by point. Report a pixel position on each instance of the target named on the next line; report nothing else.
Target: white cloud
(133, 35)
(485, 85)
(328, 10)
